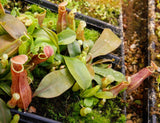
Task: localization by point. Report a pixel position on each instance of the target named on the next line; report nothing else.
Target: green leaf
(119, 77)
(106, 43)
(158, 79)
(54, 84)
(104, 95)
(7, 77)
(98, 79)
(66, 37)
(53, 37)
(88, 102)
(5, 114)
(25, 45)
(3, 72)
(40, 33)
(91, 70)
(43, 39)
(90, 92)
(31, 28)
(91, 101)
(74, 49)
(59, 57)
(15, 12)
(79, 71)
(6, 88)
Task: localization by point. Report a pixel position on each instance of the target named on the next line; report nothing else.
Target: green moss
(94, 117)
(121, 119)
(91, 34)
(108, 113)
(35, 8)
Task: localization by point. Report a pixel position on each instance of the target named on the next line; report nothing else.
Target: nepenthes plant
(32, 43)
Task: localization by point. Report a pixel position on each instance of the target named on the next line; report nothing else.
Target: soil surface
(135, 39)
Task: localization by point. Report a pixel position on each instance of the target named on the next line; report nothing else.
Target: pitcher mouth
(20, 59)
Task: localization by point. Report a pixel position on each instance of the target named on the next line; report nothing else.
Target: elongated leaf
(88, 102)
(24, 47)
(91, 70)
(105, 95)
(43, 39)
(5, 40)
(79, 71)
(98, 79)
(6, 88)
(40, 33)
(31, 28)
(5, 114)
(54, 84)
(119, 77)
(8, 45)
(74, 49)
(2, 31)
(90, 92)
(106, 43)
(91, 101)
(12, 25)
(4, 72)
(66, 37)
(53, 37)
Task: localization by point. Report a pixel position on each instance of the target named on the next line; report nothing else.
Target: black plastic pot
(91, 23)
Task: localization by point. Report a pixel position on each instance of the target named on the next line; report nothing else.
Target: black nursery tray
(92, 23)
(152, 118)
